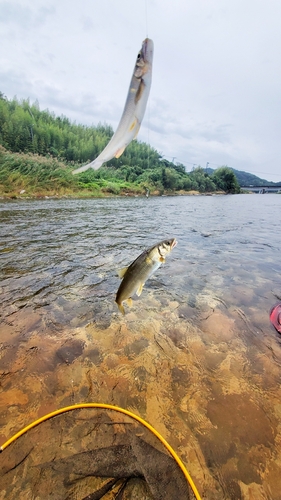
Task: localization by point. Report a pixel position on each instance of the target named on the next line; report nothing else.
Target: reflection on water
(196, 355)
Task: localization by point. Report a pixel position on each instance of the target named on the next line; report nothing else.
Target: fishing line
(148, 130)
(146, 23)
(148, 103)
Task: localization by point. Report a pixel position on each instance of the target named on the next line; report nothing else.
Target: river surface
(195, 355)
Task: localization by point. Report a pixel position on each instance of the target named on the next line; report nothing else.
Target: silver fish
(134, 110)
(135, 276)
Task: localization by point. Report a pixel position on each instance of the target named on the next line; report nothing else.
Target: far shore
(87, 194)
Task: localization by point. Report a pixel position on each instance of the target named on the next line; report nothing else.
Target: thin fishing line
(148, 130)
(148, 103)
(146, 18)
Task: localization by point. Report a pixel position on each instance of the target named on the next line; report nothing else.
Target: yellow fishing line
(108, 407)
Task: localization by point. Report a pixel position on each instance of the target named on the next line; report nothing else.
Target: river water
(195, 355)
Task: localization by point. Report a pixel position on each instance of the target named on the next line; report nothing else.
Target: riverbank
(26, 175)
(99, 194)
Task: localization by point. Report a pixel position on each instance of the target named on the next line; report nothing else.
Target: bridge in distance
(262, 189)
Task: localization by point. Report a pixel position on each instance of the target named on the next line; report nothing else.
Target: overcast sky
(216, 84)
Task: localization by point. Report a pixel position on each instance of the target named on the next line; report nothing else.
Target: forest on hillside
(39, 150)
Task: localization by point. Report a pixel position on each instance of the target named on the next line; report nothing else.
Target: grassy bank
(27, 175)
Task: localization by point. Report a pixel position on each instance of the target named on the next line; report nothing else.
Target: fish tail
(121, 308)
(94, 164)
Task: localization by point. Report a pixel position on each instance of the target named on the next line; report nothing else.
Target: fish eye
(139, 54)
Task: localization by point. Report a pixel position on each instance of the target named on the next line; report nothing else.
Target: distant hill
(247, 179)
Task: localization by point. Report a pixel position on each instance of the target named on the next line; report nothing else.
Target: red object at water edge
(275, 316)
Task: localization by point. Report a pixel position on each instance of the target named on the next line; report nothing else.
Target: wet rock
(71, 350)
(134, 349)
(236, 415)
(94, 356)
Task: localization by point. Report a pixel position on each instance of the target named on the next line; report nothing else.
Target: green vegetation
(38, 151)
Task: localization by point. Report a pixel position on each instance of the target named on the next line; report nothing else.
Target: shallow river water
(195, 355)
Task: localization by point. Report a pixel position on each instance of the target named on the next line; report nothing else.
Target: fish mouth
(147, 48)
(174, 243)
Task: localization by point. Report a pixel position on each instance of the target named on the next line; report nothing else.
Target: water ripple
(73, 248)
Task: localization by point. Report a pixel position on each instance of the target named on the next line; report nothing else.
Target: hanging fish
(135, 276)
(134, 110)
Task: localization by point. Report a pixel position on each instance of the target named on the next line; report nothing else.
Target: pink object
(275, 316)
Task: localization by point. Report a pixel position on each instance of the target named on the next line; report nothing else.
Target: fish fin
(120, 151)
(162, 259)
(121, 308)
(139, 91)
(137, 131)
(129, 302)
(139, 290)
(94, 164)
(133, 125)
(122, 272)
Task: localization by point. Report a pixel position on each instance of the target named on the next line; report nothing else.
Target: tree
(226, 180)
(198, 178)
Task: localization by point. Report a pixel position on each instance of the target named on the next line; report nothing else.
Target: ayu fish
(134, 110)
(135, 276)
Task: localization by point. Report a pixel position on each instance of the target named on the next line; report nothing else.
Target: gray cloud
(24, 16)
(15, 14)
